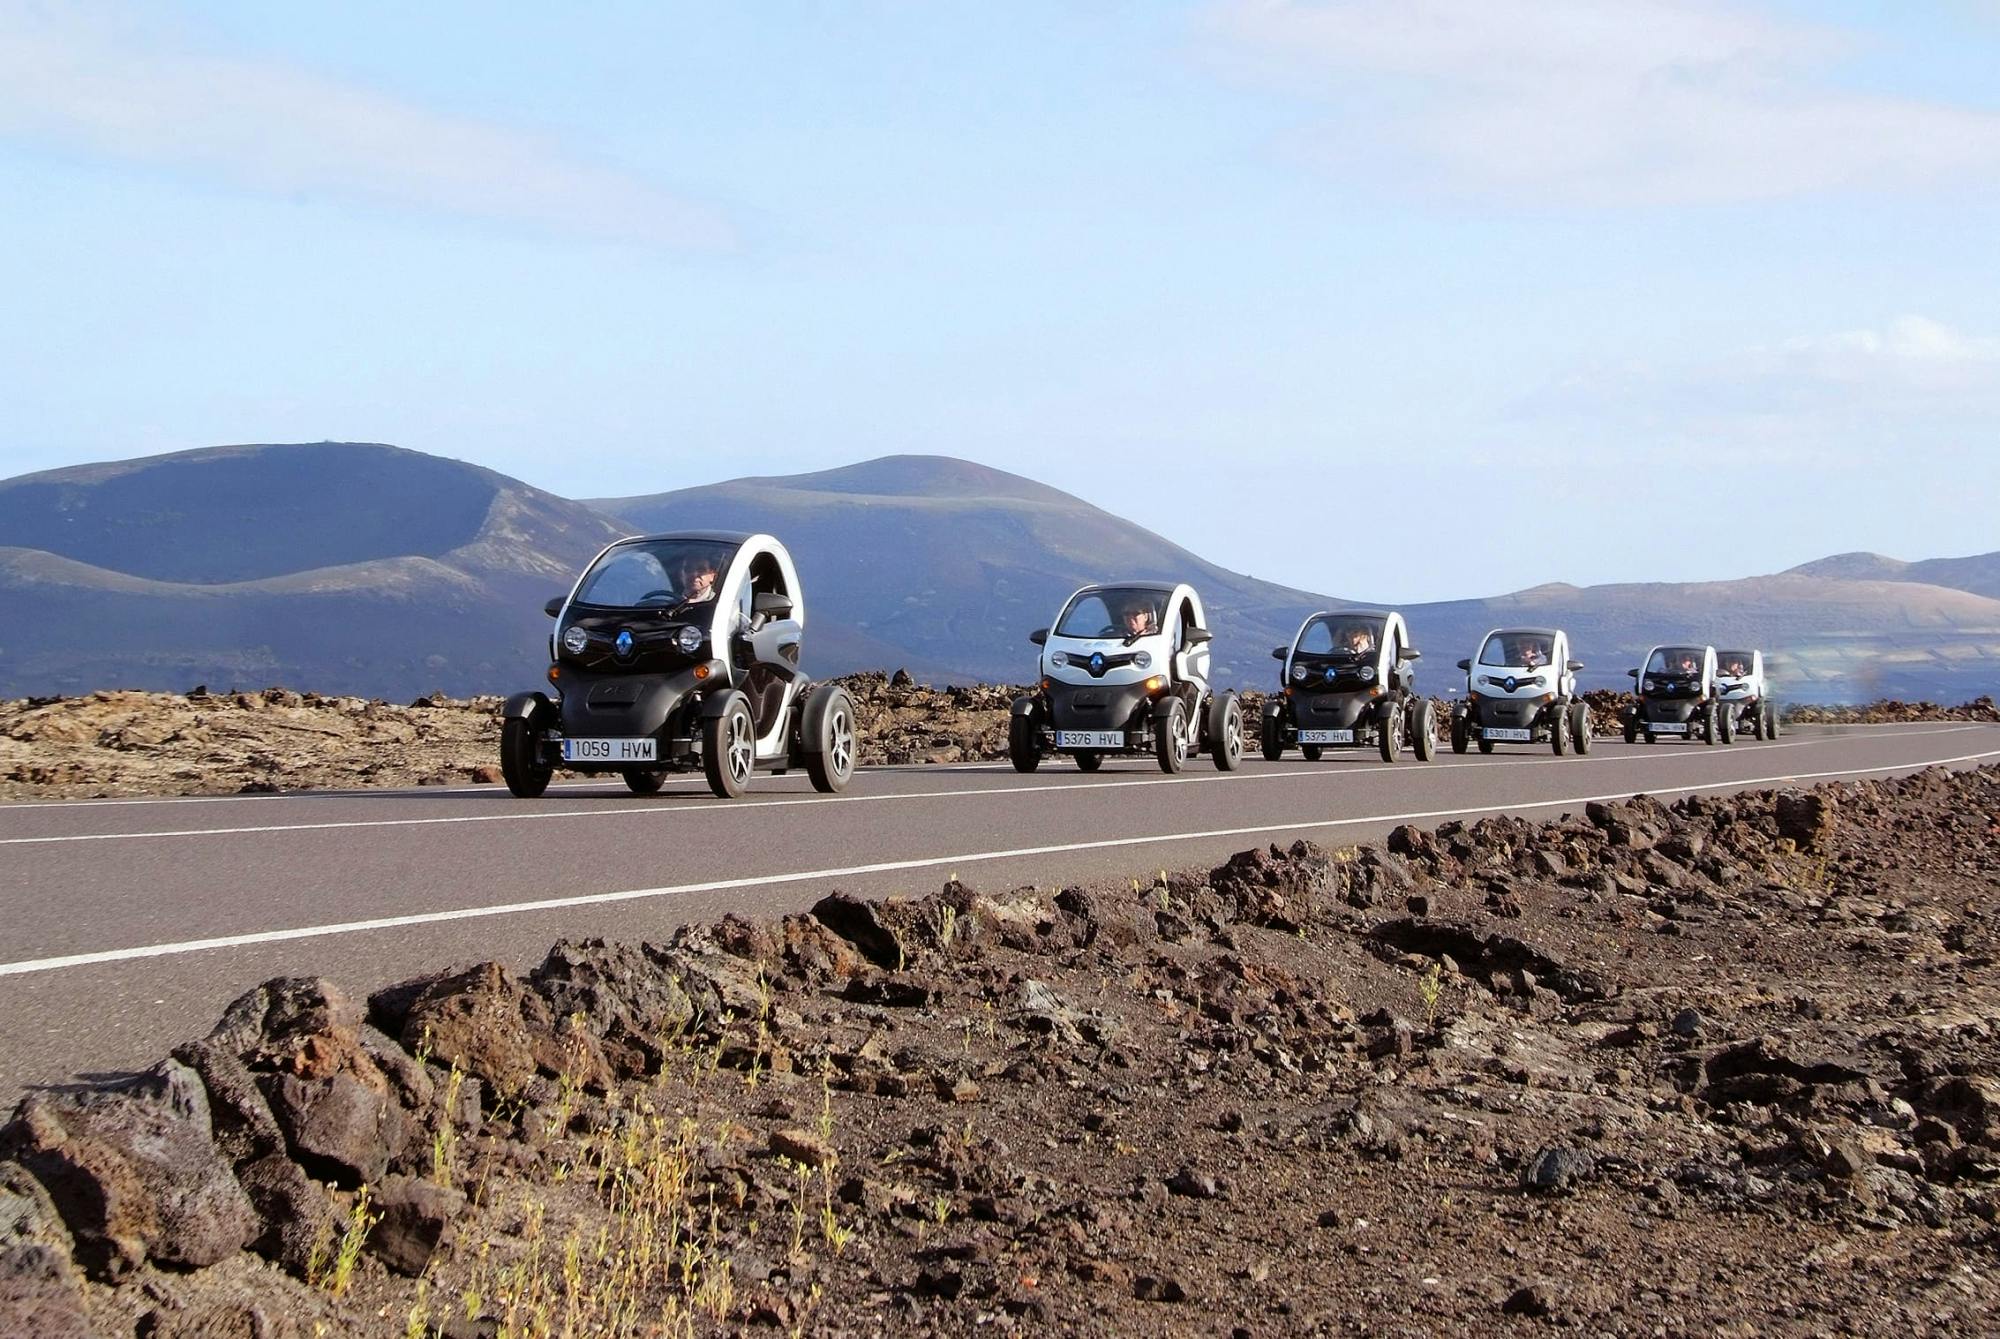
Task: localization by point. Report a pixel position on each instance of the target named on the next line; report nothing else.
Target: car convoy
(681, 652)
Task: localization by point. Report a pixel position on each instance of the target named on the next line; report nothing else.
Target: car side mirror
(771, 604)
(1573, 666)
(1196, 636)
(1040, 636)
(1409, 653)
(1279, 652)
(554, 606)
(1466, 665)
(1632, 674)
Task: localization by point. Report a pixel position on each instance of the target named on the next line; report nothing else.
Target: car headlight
(1368, 674)
(688, 639)
(1298, 674)
(1143, 660)
(574, 640)
(1058, 659)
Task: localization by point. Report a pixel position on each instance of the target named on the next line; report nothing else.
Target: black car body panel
(1099, 706)
(626, 705)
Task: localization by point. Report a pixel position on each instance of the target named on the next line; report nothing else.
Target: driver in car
(1736, 669)
(1685, 665)
(698, 579)
(1359, 641)
(1139, 620)
(1531, 654)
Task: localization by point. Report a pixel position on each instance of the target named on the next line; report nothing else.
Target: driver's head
(1137, 617)
(698, 577)
(1359, 639)
(1737, 668)
(1687, 665)
(1531, 651)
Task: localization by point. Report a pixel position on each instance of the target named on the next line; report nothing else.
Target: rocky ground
(1721, 1067)
(132, 743)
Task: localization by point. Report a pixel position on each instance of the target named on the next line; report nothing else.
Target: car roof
(1164, 587)
(1352, 613)
(1512, 632)
(715, 536)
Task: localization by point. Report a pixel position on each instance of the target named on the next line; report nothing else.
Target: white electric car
(1125, 670)
(1349, 681)
(1744, 695)
(1521, 689)
(1677, 695)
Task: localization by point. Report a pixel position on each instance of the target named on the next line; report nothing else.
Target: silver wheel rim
(1179, 731)
(1234, 732)
(740, 747)
(840, 741)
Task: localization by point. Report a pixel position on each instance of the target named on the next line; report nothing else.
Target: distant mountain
(345, 567)
(1979, 574)
(957, 563)
(360, 568)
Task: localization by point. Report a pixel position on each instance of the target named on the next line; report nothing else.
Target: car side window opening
(1187, 624)
(766, 578)
(1317, 639)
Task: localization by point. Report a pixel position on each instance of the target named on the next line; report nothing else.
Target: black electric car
(1349, 681)
(680, 652)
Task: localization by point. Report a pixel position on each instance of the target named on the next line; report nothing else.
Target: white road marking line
(70, 960)
(634, 810)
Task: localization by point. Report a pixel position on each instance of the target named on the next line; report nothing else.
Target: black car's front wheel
(1024, 741)
(1225, 732)
(729, 749)
(521, 763)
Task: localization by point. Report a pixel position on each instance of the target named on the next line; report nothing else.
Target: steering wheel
(663, 594)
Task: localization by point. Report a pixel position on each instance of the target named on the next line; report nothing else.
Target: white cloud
(81, 80)
(1589, 102)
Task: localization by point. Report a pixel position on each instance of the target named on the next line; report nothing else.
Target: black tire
(1424, 730)
(1274, 738)
(1757, 723)
(1485, 744)
(1579, 726)
(1170, 737)
(1726, 720)
(1024, 741)
(1771, 727)
(1559, 732)
(1088, 761)
(1461, 735)
(1225, 732)
(832, 739)
(1708, 733)
(1652, 738)
(644, 783)
(526, 772)
(1631, 731)
(1311, 752)
(1389, 736)
(729, 749)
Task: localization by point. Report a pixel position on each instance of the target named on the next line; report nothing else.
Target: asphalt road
(127, 926)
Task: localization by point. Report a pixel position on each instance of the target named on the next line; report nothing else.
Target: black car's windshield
(657, 573)
(1734, 664)
(1113, 612)
(1681, 661)
(1517, 650)
(1341, 635)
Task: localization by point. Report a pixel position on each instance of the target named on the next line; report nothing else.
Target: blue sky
(1338, 294)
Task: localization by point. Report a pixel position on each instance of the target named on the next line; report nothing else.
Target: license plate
(1668, 727)
(1326, 736)
(1090, 739)
(611, 750)
(1507, 735)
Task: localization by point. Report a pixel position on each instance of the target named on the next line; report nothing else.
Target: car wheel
(1579, 726)
(1726, 720)
(1771, 727)
(1485, 745)
(1089, 762)
(1389, 736)
(1424, 730)
(521, 763)
(1631, 731)
(1559, 732)
(1708, 726)
(1225, 733)
(1274, 737)
(1461, 735)
(1170, 736)
(729, 750)
(1311, 752)
(1024, 741)
(1757, 723)
(644, 783)
(1652, 738)
(830, 762)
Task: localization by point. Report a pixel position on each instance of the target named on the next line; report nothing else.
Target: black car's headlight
(688, 639)
(574, 640)
(1299, 674)
(1367, 674)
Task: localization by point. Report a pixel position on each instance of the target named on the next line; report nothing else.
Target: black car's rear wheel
(1274, 738)
(526, 772)
(1225, 732)
(1726, 719)
(1631, 730)
(1389, 736)
(1461, 735)
(1559, 732)
(830, 760)
(729, 749)
(1771, 730)
(1485, 744)
(1312, 752)
(1708, 731)
(644, 783)
(1088, 761)
(1579, 726)
(1424, 730)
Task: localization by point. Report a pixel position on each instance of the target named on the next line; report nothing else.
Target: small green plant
(1430, 989)
(941, 1208)
(418, 1324)
(946, 925)
(444, 1144)
(360, 1222)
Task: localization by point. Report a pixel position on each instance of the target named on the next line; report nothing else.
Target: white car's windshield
(1121, 613)
(1675, 660)
(1528, 650)
(657, 573)
(1341, 635)
(1734, 664)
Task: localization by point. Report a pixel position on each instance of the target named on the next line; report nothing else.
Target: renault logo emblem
(624, 643)
(1331, 674)
(1097, 662)
(1512, 683)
